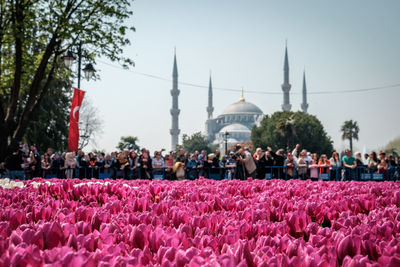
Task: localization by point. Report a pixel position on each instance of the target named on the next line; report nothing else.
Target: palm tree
(350, 131)
(287, 129)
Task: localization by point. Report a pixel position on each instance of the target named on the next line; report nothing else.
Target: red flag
(73, 138)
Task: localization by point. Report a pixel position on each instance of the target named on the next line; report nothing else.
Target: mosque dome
(242, 107)
(235, 128)
(237, 133)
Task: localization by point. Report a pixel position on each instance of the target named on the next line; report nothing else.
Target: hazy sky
(341, 44)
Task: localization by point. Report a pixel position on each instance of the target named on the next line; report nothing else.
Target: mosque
(235, 123)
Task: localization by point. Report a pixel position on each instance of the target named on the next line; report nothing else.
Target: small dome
(242, 107)
(235, 128)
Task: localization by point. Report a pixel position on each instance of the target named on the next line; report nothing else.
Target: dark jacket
(14, 161)
(278, 160)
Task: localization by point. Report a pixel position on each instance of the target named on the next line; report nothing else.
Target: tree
(49, 124)
(393, 147)
(196, 141)
(33, 36)
(287, 129)
(350, 131)
(90, 125)
(304, 129)
(128, 142)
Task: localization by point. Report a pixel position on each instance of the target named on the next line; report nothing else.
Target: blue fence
(361, 173)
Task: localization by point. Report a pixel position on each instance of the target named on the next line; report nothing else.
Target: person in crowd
(114, 163)
(260, 161)
(33, 149)
(193, 168)
(383, 167)
(181, 156)
(366, 156)
(3, 170)
(84, 170)
(50, 152)
(391, 165)
(313, 170)
(158, 164)
(173, 155)
(295, 152)
(93, 168)
(248, 162)
(100, 162)
(279, 161)
(302, 165)
(390, 161)
(80, 157)
(349, 164)
(145, 165)
(205, 165)
(257, 153)
(215, 168)
(70, 164)
(107, 164)
(122, 166)
(134, 164)
(197, 153)
(35, 165)
(57, 165)
(360, 163)
(169, 164)
(358, 158)
(230, 166)
(372, 162)
(209, 164)
(200, 161)
(15, 164)
(314, 156)
(25, 149)
(336, 164)
(269, 163)
(46, 164)
(324, 164)
(290, 166)
(179, 169)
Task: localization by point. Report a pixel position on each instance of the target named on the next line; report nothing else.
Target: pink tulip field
(199, 223)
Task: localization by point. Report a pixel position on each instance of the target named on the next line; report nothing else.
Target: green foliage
(99, 151)
(350, 131)
(195, 142)
(49, 124)
(128, 142)
(33, 36)
(285, 127)
(393, 147)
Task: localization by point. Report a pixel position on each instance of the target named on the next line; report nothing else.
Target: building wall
(213, 126)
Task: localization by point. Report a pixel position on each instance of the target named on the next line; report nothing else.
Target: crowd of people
(26, 163)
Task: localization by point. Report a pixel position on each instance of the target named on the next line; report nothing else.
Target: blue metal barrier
(361, 173)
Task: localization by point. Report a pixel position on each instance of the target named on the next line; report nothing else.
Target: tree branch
(17, 20)
(24, 121)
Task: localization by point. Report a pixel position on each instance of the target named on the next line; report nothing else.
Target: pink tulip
(54, 235)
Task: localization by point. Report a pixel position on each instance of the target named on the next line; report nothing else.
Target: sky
(341, 45)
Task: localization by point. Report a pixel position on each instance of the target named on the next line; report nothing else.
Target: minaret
(241, 99)
(304, 105)
(286, 85)
(210, 107)
(175, 110)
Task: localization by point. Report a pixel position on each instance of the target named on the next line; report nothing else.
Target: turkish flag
(73, 138)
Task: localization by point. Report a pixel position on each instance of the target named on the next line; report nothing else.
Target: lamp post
(69, 59)
(226, 134)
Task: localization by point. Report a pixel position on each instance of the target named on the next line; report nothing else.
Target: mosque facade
(235, 123)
